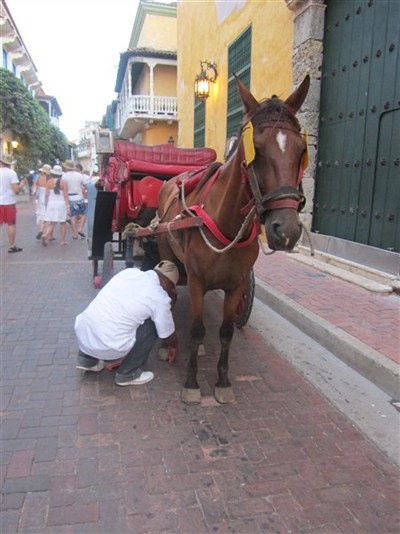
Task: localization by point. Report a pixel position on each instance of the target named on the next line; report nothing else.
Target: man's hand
(172, 352)
(172, 347)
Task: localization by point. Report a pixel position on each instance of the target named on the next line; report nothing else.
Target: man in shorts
(9, 187)
(77, 187)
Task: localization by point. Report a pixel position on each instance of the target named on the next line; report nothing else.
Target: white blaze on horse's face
(281, 140)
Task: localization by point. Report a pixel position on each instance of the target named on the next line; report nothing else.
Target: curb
(368, 362)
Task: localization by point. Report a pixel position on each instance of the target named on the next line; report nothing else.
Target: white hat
(7, 159)
(169, 270)
(57, 170)
(46, 169)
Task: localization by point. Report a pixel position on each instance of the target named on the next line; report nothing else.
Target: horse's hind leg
(223, 391)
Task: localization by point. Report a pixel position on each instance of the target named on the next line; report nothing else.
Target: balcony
(142, 109)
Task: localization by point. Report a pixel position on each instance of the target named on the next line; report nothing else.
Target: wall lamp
(202, 81)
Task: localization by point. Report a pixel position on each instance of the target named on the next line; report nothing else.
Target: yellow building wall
(221, 24)
(159, 133)
(164, 80)
(158, 32)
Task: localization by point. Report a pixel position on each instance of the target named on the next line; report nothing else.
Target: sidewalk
(359, 326)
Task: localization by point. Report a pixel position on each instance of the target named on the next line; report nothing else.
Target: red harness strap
(208, 221)
(280, 204)
(216, 232)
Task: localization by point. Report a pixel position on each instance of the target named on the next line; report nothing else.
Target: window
(199, 123)
(239, 63)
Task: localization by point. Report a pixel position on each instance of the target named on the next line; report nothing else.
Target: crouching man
(125, 319)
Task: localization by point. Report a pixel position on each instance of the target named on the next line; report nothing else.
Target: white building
(86, 151)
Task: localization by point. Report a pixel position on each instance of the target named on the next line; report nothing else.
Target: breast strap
(216, 232)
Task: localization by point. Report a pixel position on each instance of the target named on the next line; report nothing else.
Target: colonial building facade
(351, 114)
(146, 109)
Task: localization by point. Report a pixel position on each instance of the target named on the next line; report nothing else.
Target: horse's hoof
(201, 351)
(191, 396)
(224, 395)
(163, 354)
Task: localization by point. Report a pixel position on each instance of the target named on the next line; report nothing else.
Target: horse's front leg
(191, 390)
(223, 391)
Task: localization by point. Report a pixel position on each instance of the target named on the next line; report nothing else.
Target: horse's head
(275, 154)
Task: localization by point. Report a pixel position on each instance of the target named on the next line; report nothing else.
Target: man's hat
(69, 164)
(57, 170)
(168, 269)
(46, 169)
(7, 159)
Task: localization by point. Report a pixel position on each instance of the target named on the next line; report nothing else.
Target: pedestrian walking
(124, 321)
(39, 189)
(9, 187)
(77, 186)
(57, 205)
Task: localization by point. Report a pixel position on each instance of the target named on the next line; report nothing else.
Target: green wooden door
(357, 192)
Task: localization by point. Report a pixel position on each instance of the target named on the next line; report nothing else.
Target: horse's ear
(296, 99)
(249, 102)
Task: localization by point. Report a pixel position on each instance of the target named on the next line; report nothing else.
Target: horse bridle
(282, 197)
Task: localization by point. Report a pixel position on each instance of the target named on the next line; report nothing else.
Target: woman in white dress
(40, 191)
(57, 205)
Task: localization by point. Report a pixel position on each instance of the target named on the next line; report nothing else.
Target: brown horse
(259, 183)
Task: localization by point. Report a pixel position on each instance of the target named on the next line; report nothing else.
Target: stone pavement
(80, 454)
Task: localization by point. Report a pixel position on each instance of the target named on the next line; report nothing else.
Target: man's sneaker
(143, 378)
(94, 368)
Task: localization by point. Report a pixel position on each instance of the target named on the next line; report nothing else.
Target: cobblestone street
(80, 454)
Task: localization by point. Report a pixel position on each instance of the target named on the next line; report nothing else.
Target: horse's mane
(212, 168)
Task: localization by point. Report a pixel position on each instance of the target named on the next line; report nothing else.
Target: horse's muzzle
(283, 229)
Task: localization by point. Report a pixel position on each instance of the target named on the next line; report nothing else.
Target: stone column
(307, 59)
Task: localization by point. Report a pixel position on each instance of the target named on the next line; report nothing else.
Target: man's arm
(172, 346)
(17, 186)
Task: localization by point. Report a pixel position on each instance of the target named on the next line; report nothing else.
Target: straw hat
(46, 169)
(69, 164)
(56, 170)
(7, 159)
(169, 270)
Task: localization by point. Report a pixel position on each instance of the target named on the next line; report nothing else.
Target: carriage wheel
(108, 263)
(246, 302)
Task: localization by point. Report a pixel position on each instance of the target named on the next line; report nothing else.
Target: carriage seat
(162, 160)
(141, 170)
